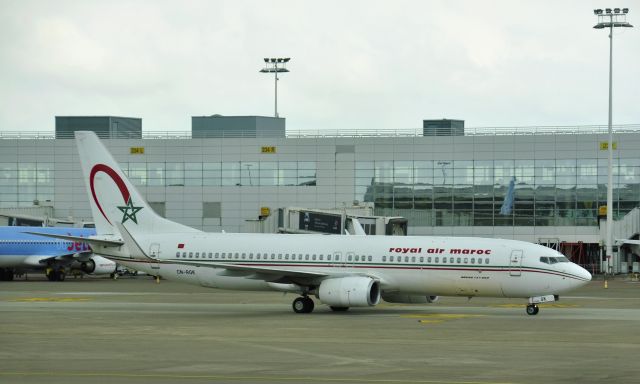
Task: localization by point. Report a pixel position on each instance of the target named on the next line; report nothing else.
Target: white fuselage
(446, 266)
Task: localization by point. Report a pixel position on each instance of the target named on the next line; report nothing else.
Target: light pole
(275, 66)
(610, 19)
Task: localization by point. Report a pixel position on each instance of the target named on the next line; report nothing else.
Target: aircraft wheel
(532, 309)
(339, 309)
(61, 275)
(309, 304)
(51, 275)
(299, 305)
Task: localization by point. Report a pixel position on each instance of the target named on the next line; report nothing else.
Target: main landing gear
(303, 304)
(56, 274)
(532, 309)
(6, 274)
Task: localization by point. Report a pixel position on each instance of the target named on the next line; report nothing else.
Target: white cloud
(355, 64)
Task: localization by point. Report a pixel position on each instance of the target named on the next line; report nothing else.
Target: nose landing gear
(532, 309)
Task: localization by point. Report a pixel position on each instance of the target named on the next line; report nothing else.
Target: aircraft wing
(64, 258)
(91, 241)
(250, 269)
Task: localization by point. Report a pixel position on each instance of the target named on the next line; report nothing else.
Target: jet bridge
(339, 221)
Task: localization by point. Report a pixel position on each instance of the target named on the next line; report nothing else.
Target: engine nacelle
(98, 265)
(351, 291)
(407, 299)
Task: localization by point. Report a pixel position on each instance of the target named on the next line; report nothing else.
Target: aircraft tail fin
(113, 198)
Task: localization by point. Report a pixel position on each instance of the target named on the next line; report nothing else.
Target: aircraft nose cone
(583, 273)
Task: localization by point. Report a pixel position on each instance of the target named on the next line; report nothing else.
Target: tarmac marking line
(255, 378)
(50, 299)
(540, 305)
(438, 318)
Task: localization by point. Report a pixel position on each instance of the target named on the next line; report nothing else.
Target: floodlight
(625, 10)
(275, 65)
(616, 10)
(608, 10)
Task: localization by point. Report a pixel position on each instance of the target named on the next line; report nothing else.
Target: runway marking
(50, 299)
(238, 378)
(539, 305)
(438, 318)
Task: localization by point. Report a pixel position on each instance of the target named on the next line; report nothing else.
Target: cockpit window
(554, 260)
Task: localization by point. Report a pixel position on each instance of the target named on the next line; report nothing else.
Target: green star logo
(129, 212)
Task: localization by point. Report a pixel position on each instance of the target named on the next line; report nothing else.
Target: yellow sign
(268, 149)
(265, 211)
(604, 145)
(602, 210)
(137, 150)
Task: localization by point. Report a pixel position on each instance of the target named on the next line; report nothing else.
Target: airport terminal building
(539, 184)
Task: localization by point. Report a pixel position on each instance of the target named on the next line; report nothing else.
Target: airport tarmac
(132, 330)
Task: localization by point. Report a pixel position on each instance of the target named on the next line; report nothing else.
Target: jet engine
(351, 291)
(407, 299)
(97, 265)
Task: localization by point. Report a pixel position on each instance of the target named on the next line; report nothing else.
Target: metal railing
(337, 133)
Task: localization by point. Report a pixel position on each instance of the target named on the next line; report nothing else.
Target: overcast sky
(354, 64)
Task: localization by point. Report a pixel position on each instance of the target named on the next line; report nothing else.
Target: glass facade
(472, 192)
(238, 173)
(23, 183)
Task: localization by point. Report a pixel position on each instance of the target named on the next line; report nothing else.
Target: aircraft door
(515, 263)
(154, 254)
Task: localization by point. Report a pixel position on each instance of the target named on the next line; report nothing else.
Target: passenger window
(184, 254)
(314, 257)
(458, 260)
(258, 256)
(328, 257)
(479, 260)
(177, 254)
(273, 256)
(237, 255)
(466, 260)
(251, 256)
(306, 257)
(486, 261)
(429, 259)
(370, 258)
(413, 259)
(357, 258)
(217, 254)
(451, 260)
(210, 255)
(391, 259)
(384, 259)
(349, 258)
(197, 255)
(321, 257)
(421, 259)
(279, 256)
(473, 260)
(406, 259)
(337, 257)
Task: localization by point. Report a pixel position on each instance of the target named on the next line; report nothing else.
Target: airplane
(340, 271)
(21, 249)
